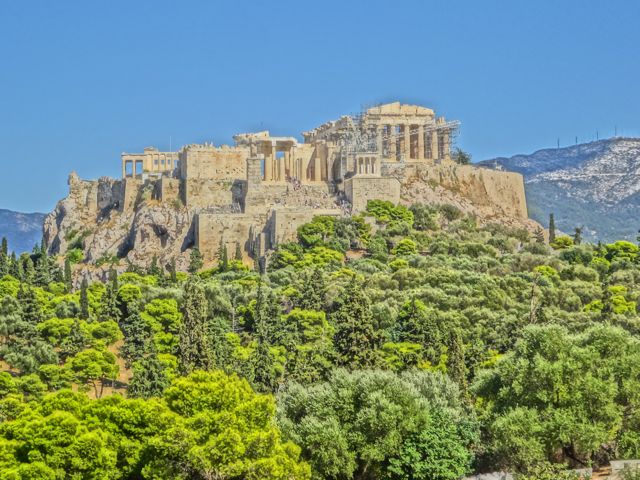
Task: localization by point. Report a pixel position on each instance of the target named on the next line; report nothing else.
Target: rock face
(594, 185)
(118, 219)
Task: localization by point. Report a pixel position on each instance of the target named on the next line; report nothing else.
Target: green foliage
(380, 425)
(386, 212)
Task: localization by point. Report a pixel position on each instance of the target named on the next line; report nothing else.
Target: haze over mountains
(593, 185)
(22, 230)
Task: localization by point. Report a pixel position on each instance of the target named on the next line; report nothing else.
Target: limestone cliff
(134, 220)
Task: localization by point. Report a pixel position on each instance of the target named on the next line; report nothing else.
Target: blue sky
(83, 81)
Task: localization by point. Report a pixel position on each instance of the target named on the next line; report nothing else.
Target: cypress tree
(577, 236)
(264, 378)
(84, 300)
(356, 339)
(75, 342)
(4, 258)
(313, 290)
(109, 309)
(195, 260)
(149, 378)
(43, 270)
(238, 254)
(193, 349)
(29, 269)
(456, 368)
(173, 272)
(15, 267)
(68, 277)
(552, 228)
(154, 269)
(31, 311)
(137, 341)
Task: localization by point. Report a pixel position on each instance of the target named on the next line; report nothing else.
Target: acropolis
(256, 193)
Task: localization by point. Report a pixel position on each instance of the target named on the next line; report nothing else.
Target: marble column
(407, 141)
(420, 142)
(392, 141)
(434, 145)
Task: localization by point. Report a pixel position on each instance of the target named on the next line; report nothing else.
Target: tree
(109, 309)
(456, 368)
(356, 340)
(371, 424)
(223, 257)
(149, 378)
(136, 337)
(195, 260)
(84, 300)
(94, 367)
(68, 277)
(552, 228)
(238, 254)
(262, 362)
(577, 236)
(461, 157)
(193, 349)
(313, 289)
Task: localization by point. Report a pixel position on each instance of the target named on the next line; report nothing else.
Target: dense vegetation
(401, 344)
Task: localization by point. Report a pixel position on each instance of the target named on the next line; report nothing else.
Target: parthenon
(352, 145)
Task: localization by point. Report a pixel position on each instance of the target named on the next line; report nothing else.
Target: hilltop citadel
(256, 193)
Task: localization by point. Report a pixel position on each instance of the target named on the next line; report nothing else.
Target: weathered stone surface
(256, 193)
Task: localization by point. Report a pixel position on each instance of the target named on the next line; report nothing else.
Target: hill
(594, 185)
(22, 230)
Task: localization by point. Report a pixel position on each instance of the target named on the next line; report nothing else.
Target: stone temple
(257, 192)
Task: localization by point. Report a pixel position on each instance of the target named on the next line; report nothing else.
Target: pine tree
(552, 228)
(68, 277)
(356, 339)
(84, 300)
(456, 368)
(539, 235)
(193, 349)
(149, 378)
(195, 260)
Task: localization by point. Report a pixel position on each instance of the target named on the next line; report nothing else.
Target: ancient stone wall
(360, 189)
(284, 222)
(214, 229)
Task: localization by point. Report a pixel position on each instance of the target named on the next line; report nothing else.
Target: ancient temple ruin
(255, 193)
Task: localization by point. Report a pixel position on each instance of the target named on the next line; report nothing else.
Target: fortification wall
(360, 189)
(491, 192)
(284, 222)
(213, 163)
(214, 229)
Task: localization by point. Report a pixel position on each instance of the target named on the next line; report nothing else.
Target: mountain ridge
(595, 186)
(22, 230)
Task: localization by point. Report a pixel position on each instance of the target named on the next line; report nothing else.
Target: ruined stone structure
(256, 192)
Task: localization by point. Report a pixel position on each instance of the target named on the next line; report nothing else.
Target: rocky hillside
(593, 185)
(22, 230)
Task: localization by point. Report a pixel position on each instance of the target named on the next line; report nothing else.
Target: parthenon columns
(406, 148)
(379, 138)
(434, 145)
(420, 155)
(445, 144)
(392, 138)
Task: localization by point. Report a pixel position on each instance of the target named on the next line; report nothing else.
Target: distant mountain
(22, 230)
(592, 185)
